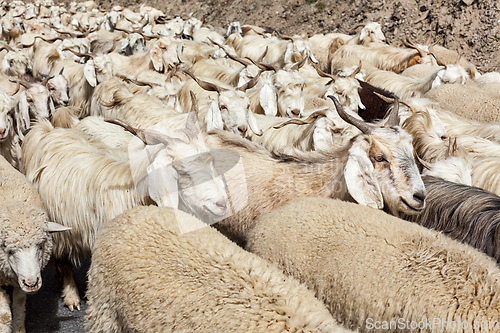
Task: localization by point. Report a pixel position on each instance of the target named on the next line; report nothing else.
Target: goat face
(371, 33)
(36, 101)
(58, 88)
(346, 91)
(398, 182)
(15, 63)
(181, 174)
(235, 112)
(290, 86)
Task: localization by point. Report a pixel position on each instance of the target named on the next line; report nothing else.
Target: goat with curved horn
(309, 120)
(299, 65)
(204, 84)
(250, 84)
(361, 125)
(393, 117)
(78, 54)
(148, 137)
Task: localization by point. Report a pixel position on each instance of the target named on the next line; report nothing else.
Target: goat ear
(213, 119)
(51, 106)
(162, 185)
(23, 114)
(89, 73)
(56, 227)
(361, 183)
(313, 59)
(322, 135)
(269, 99)
(252, 123)
(156, 58)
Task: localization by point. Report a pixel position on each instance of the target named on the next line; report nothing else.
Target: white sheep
(197, 281)
(369, 267)
(25, 243)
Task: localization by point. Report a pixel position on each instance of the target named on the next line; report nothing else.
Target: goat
(359, 171)
(171, 169)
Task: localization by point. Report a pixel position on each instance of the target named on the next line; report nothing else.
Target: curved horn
(192, 118)
(362, 126)
(18, 87)
(112, 48)
(147, 137)
(49, 40)
(250, 84)
(451, 147)
(261, 58)
(90, 55)
(62, 69)
(425, 164)
(323, 74)
(393, 117)
(353, 29)
(205, 85)
(356, 71)
(264, 67)
(241, 61)
(6, 47)
(309, 120)
(407, 43)
(298, 65)
(23, 83)
(285, 37)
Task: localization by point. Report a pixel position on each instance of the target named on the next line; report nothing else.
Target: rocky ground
(470, 26)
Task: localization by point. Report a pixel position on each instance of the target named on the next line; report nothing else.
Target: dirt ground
(470, 26)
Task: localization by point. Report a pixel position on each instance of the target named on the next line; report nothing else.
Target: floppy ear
(269, 99)
(162, 185)
(252, 123)
(23, 113)
(51, 106)
(89, 73)
(56, 227)
(213, 119)
(124, 48)
(156, 58)
(361, 183)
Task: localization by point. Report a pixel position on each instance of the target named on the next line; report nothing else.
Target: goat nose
(221, 205)
(242, 129)
(30, 283)
(295, 112)
(2, 131)
(66, 103)
(419, 197)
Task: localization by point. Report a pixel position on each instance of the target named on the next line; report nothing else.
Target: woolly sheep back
(146, 277)
(366, 264)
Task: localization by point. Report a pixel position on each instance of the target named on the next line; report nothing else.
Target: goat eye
(183, 174)
(380, 158)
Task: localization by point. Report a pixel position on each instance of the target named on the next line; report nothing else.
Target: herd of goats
(350, 184)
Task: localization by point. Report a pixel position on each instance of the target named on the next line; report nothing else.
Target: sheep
(358, 171)
(25, 243)
(169, 173)
(237, 292)
(467, 101)
(369, 267)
